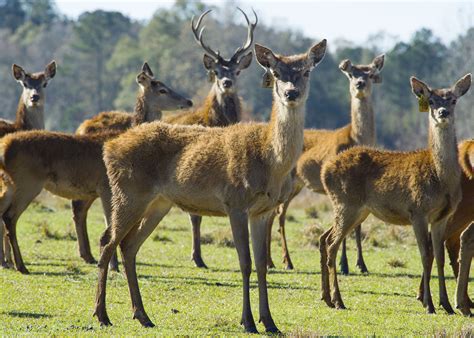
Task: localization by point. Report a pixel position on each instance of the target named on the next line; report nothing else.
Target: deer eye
(163, 91)
(237, 73)
(306, 74)
(45, 84)
(454, 101)
(276, 74)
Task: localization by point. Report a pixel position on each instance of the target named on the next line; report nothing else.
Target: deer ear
(316, 53)
(345, 66)
(147, 70)
(245, 61)
(378, 61)
(209, 62)
(267, 79)
(18, 72)
(50, 70)
(462, 86)
(265, 56)
(143, 79)
(419, 88)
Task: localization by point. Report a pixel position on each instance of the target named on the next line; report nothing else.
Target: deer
(458, 224)
(153, 97)
(29, 116)
(465, 256)
(221, 107)
(67, 165)
(417, 187)
(241, 171)
(321, 145)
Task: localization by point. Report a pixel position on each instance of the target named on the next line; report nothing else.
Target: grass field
(57, 298)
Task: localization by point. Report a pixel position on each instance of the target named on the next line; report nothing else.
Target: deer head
(34, 83)
(440, 102)
(224, 72)
(157, 95)
(361, 77)
(289, 76)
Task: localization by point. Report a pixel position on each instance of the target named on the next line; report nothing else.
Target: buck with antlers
(419, 188)
(241, 171)
(321, 145)
(29, 116)
(222, 105)
(68, 166)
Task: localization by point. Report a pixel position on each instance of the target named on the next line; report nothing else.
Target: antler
(248, 44)
(198, 35)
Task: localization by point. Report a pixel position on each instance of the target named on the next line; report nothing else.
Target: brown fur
(418, 188)
(67, 165)
(241, 171)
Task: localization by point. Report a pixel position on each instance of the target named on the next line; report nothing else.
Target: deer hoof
(199, 262)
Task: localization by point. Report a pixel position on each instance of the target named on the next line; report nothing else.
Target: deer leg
(325, 287)
(345, 221)
(466, 252)
(130, 246)
(270, 263)
(106, 205)
(430, 266)
(259, 227)
(437, 238)
(196, 253)
(22, 198)
(420, 226)
(343, 264)
(6, 260)
(240, 232)
(360, 257)
(284, 245)
(79, 209)
(126, 215)
(453, 245)
(6, 196)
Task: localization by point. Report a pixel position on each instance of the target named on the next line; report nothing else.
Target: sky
(356, 21)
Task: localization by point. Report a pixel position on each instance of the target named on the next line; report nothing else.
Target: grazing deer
(321, 145)
(241, 171)
(461, 219)
(29, 116)
(153, 97)
(69, 166)
(419, 188)
(222, 105)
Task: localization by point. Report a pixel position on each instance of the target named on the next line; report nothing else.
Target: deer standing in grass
(29, 116)
(153, 97)
(69, 166)
(419, 188)
(241, 171)
(321, 145)
(456, 229)
(222, 106)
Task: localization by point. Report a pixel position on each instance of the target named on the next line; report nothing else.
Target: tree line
(100, 53)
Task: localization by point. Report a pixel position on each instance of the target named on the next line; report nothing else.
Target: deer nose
(443, 113)
(292, 94)
(360, 84)
(227, 83)
(189, 103)
(35, 98)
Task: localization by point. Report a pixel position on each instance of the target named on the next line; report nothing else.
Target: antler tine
(198, 36)
(248, 44)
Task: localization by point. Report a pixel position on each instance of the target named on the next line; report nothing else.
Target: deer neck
(285, 134)
(362, 120)
(222, 109)
(29, 118)
(444, 152)
(143, 112)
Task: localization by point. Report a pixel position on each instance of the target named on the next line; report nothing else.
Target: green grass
(57, 298)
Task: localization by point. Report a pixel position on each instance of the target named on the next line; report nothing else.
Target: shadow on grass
(57, 274)
(20, 314)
